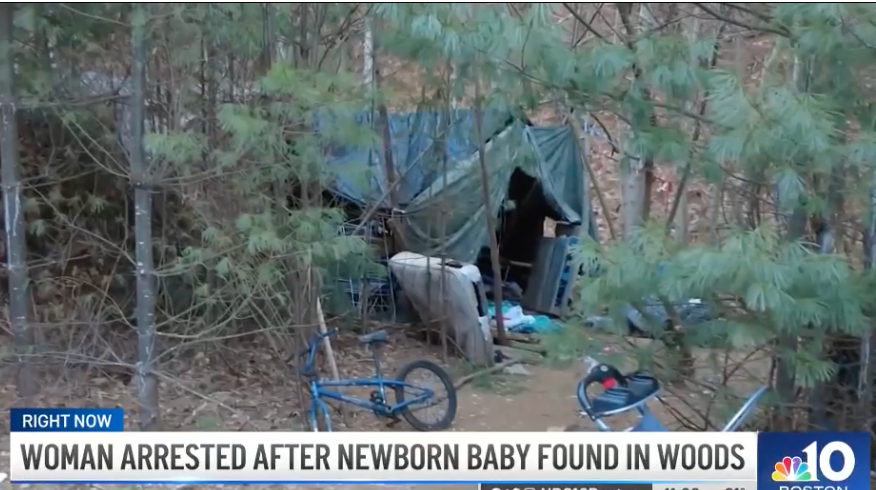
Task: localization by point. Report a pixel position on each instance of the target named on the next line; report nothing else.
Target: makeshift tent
(550, 154)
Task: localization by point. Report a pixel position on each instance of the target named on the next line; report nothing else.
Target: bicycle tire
(318, 417)
(408, 414)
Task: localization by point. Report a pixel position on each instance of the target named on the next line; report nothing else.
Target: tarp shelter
(548, 153)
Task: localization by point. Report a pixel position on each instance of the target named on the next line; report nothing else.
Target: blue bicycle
(406, 404)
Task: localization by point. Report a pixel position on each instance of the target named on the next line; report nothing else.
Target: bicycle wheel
(318, 416)
(405, 375)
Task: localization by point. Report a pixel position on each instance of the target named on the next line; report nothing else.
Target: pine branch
(587, 25)
(723, 18)
(580, 39)
(736, 6)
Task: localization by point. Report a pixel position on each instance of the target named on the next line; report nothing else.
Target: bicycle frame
(318, 392)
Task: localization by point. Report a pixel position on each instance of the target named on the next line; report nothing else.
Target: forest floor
(256, 394)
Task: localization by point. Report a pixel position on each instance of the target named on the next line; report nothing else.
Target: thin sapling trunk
(147, 382)
(16, 247)
(491, 220)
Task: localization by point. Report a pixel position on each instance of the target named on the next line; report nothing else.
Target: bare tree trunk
(636, 171)
(16, 248)
(211, 89)
(368, 48)
(866, 378)
(691, 30)
(147, 382)
(445, 136)
(648, 175)
(491, 219)
(429, 317)
(398, 240)
(632, 193)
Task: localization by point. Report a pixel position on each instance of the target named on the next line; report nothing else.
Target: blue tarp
(415, 154)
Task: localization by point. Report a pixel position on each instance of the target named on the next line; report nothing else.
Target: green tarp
(453, 206)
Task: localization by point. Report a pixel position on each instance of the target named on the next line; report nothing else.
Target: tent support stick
(491, 220)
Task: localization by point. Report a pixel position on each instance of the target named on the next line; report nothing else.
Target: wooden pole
(326, 343)
(491, 220)
(329, 352)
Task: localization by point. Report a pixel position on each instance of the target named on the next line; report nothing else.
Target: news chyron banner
(90, 446)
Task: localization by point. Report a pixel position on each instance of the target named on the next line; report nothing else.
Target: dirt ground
(256, 393)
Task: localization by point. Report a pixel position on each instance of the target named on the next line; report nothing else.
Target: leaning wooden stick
(326, 343)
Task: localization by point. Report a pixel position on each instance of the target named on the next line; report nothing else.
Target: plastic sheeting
(548, 153)
(447, 213)
(358, 173)
(462, 231)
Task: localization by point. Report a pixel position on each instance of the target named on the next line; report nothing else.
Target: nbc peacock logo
(792, 469)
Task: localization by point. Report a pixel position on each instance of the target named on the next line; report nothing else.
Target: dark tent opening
(520, 230)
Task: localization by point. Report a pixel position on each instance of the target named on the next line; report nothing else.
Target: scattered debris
(517, 369)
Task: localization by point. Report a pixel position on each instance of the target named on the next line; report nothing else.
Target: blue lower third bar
(67, 420)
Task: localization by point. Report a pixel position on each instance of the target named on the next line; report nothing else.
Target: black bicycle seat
(376, 337)
(622, 392)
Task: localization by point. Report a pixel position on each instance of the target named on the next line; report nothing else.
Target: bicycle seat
(376, 337)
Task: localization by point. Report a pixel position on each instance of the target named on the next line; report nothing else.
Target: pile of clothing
(518, 321)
